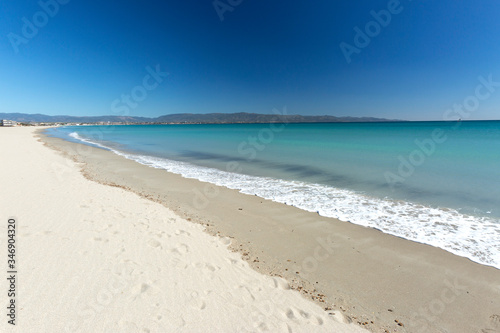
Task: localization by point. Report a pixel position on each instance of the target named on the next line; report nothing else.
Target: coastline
(369, 276)
(423, 203)
(97, 258)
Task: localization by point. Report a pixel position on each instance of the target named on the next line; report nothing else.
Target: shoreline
(373, 278)
(97, 258)
(446, 219)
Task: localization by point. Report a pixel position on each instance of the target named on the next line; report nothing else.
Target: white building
(9, 123)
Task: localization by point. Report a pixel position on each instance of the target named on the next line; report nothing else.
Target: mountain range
(189, 118)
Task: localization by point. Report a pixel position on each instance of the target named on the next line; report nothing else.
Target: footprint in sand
(177, 263)
(230, 299)
(177, 322)
(259, 321)
(206, 267)
(182, 232)
(196, 301)
(140, 289)
(495, 325)
(127, 326)
(180, 249)
(232, 261)
(120, 252)
(161, 234)
(144, 225)
(303, 317)
(246, 294)
(226, 241)
(154, 243)
(207, 270)
(124, 269)
(495, 320)
(280, 283)
(290, 314)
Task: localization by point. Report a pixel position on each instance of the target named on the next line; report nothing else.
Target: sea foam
(477, 238)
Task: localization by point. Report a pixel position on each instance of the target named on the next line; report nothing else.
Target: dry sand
(97, 258)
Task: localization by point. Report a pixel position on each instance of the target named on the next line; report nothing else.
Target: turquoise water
(433, 182)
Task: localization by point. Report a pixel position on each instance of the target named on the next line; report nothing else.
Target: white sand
(96, 258)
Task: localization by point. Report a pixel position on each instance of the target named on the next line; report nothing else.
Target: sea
(436, 183)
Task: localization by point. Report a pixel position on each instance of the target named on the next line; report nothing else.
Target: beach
(97, 258)
(107, 244)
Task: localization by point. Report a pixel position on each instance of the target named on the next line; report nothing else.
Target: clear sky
(86, 57)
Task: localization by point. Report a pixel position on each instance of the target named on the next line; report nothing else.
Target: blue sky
(88, 55)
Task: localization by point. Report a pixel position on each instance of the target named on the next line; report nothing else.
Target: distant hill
(190, 118)
(42, 118)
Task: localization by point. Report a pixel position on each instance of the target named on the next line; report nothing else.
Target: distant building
(9, 123)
